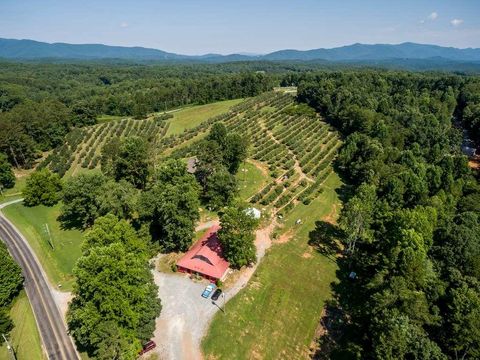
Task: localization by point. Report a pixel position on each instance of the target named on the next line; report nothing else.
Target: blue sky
(204, 26)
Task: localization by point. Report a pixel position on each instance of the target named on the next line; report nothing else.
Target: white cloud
(124, 24)
(433, 16)
(456, 22)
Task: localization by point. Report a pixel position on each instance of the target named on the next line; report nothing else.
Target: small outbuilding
(205, 258)
(192, 165)
(253, 212)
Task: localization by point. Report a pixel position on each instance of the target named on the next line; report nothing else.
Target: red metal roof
(205, 256)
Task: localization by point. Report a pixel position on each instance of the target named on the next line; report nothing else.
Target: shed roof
(192, 165)
(205, 256)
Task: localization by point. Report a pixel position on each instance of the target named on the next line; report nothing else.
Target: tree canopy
(81, 199)
(7, 177)
(218, 159)
(410, 219)
(131, 163)
(170, 206)
(109, 229)
(115, 302)
(42, 188)
(11, 282)
(237, 236)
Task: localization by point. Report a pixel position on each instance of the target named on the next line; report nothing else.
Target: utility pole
(9, 348)
(47, 230)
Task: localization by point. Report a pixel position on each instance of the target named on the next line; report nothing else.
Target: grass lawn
(15, 192)
(276, 315)
(59, 261)
(24, 337)
(194, 115)
(250, 181)
(106, 118)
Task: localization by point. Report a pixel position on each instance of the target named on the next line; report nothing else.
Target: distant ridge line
(34, 50)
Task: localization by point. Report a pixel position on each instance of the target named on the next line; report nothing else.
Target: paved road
(57, 343)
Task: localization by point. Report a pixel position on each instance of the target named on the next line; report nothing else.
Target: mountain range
(34, 50)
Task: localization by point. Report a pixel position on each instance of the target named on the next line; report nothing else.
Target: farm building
(205, 258)
(253, 212)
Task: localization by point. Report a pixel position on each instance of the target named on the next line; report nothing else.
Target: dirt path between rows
(296, 166)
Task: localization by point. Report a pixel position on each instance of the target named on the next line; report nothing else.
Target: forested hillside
(410, 227)
(39, 104)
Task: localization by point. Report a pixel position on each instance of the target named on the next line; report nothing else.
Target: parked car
(147, 347)
(216, 294)
(208, 290)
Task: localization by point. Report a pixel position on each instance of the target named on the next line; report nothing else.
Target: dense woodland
(40, 103)
(410, 225)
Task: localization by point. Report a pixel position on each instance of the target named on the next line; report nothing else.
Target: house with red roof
(205, 257)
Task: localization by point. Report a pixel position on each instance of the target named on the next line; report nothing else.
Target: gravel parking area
(186, 314)
(184, 318)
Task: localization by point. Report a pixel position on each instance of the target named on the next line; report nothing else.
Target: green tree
(220, 189)
(232, 148)
(114, 292)
(119, 198)
(237, 236)
(6, 324)
(209, 160)
(81, 200)
(109, 156)
(42, 188)
(11, 279)
(218, 134)
(357, 215)
(11, 282)
(7, 177)
(170, 206)
(109, 229)
(115, 343)
(458, 246)
(235, 152)
(396, 337)
(464, 321)
(132, 162)
(83, 114)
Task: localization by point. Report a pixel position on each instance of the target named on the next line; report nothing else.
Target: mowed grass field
(250, 180)
(105, 118)
(194, 115)
(58, 261)
(24, 337)
(276, 315)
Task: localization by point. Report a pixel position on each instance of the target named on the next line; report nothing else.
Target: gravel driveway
(184, 318)
(186, 314)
